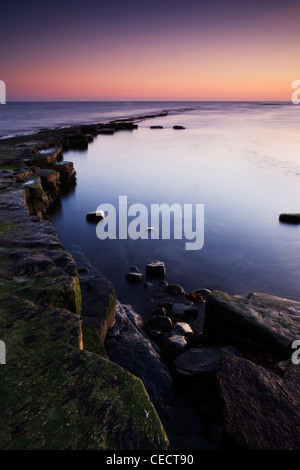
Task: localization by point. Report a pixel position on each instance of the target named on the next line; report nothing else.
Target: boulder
(260, 409)
(265, 322)
(178, 127)
(197, 361)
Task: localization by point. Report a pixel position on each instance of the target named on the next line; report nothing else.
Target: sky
(149, 50)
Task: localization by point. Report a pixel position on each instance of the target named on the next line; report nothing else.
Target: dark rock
(175, 289)
(197, 361)
(159, 311)
(178, 127)
(134, 277)
(161, 322)
(98, 304)
(106, 130)
(134, 269)
(175, 344)
(67, 172)
(50, 180)
(198, 295)
(166, 302)
(178, 309)
(182, 329)
(128, 346)
(290, 218)
(161, 284)
(95, 216)
(156, 127)
(268, 323)
(155, 333)
(156, 269)
(75, 141)
(124, 125)
(147, 285)
(260, 409)
(190, 313)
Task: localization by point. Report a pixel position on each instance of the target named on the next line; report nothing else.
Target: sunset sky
(149, 50)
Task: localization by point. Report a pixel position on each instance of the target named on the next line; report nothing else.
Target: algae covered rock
(58, 389)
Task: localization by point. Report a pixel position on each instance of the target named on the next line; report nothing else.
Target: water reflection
(240, 161)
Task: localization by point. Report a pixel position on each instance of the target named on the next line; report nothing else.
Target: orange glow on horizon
(233, 63)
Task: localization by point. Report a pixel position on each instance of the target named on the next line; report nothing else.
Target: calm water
(241, 160)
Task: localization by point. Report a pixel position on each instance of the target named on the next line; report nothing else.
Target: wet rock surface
(264, 322)
(260, 407)
(129, 346)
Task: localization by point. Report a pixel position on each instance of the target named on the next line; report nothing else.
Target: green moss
(8, 167)
(91, 341)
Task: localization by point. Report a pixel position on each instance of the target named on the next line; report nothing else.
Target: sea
(239, 161)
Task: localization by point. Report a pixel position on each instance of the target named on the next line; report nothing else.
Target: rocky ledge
(59, 390)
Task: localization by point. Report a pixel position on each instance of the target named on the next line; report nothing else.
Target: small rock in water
(292, 218)
(165, 303)
(159, 311)
(178, 127)
(134, 269)
(156, 269)
(178, 309)
(134, 277)
(175, 289)
(175, 344)
(156, 127)
(147, 285)
(182, 329)
(95, 216)
(162, 284)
